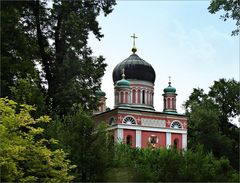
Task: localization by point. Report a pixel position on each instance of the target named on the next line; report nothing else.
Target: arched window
(176, 143)
(111, 121)
(126, 97)
(121, 97)
(147, 98)
(168, 105)
(129, 120)
(143, 96)
(129, 140)
(139, 96)
(176, 124)
(134, 96)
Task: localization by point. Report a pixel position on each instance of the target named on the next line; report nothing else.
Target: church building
(134, 120)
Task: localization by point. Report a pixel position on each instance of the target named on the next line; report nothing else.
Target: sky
(180, 39)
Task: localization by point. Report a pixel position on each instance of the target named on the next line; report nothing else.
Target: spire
(134, 49)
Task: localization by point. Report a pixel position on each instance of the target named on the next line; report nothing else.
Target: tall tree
(59, 31)
(89, 146)
(209, 116)
(231, 9)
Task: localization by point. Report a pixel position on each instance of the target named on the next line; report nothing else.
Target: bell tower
(122, 92)
(169, 98)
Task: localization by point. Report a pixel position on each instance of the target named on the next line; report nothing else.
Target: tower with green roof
(133, 120)
(169, 99)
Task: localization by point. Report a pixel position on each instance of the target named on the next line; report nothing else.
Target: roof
(135, 68)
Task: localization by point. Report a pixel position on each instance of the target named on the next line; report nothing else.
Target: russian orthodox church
(134, 120)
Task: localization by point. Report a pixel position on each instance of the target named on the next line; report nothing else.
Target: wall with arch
(179, 138)
(131, 133)
(161, 138)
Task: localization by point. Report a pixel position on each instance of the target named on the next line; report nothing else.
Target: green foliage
(88, 145)
(26, 91)
(231, 8)
(168, 165)
(24, 154)
(56, 38)
(18, 50)
(209, 122)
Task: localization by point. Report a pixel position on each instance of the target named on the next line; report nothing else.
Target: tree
(89, 146)
(18, 50)
(24, 153)
(209, 122)
(231, 8)
(56, 35)
(168, 165)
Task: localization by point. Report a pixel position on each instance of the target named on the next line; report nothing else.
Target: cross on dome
(123, 74)
(169, 81)
(134, 49)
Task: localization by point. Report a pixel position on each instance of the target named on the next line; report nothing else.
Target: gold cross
(134, 37)
(169, 82)
(123, 74)
(169, 77)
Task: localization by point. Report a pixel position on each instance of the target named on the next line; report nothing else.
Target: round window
(129, 120)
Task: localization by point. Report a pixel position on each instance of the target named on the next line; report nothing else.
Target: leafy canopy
(231, 9)
(24, 153)
(53, 36)
(209, 119)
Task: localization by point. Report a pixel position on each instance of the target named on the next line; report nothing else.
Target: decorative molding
(144, 128)
(153, 122)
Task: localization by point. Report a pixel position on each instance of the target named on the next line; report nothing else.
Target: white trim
(138, 138)
(152, 129)
(168, 139)
(184, 141)
(119, 135)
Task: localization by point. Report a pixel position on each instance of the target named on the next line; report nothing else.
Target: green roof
(100, 93)
(169, 89)
(123, 83)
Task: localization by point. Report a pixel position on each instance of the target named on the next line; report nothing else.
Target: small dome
(123, 83)
(135, 68)
(100, 93)
(169, 89)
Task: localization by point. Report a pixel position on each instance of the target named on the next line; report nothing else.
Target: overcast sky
(180, 39)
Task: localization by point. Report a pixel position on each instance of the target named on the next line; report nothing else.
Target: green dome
(169, 89)
(100, 93)
(123, 83)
